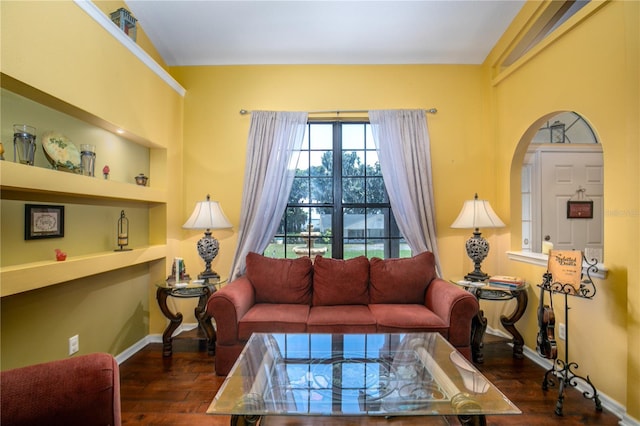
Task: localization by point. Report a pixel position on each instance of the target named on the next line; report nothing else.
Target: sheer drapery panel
(402, 141)
(273, 146)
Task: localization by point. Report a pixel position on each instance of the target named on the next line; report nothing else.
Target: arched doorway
(562, 187)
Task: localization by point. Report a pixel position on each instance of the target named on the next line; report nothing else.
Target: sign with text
(565, 267)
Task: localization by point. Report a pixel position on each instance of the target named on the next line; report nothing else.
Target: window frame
(392, 238)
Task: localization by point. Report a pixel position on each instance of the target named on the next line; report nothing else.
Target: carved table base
(200, 312)
(479, 324)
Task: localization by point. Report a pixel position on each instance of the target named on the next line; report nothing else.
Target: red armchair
(83, 390)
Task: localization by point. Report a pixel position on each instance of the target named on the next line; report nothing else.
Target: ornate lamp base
(473, 276)
(477, 249)
(210, 275)
(208, 248)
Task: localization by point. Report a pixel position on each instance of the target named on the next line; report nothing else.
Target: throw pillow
(401, 280)
(340, 282)
(280, 280)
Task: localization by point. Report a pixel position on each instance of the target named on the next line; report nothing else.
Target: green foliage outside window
(347, 221)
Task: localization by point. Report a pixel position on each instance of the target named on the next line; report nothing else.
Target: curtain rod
(351, 111)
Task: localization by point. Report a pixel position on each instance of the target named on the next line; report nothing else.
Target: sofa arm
(228, 305)
(83, 390)
(455, 306)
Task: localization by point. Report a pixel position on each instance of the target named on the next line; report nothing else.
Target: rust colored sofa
(338, 296)
(83, 390)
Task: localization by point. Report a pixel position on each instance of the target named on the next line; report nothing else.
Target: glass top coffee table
(353, 375)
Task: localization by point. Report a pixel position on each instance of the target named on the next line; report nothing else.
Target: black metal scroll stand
(562, 371)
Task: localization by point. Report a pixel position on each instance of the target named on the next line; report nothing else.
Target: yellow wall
(66, 55)
(216, 133)
(591, 68)
(107, 81)
(476, 136)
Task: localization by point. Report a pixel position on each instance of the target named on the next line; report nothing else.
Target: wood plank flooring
(177, 391)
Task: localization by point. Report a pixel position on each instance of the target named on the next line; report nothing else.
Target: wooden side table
(187, 290)
(483, 291)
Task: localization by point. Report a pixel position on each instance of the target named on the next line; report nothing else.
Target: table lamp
(207, 215)
(477, 214)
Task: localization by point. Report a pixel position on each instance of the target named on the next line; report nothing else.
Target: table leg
(204, 321)
(509, 322)
(244, 420)
(174, 321)
(473, 420)
(478, 328)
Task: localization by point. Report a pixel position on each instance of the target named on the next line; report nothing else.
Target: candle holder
(123, 232)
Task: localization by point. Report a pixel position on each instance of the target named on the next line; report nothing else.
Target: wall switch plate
(562, 331)
(74, 344)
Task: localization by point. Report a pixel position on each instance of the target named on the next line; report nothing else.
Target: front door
(568, 173)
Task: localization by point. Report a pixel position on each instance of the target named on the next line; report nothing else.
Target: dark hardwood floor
(177, 391)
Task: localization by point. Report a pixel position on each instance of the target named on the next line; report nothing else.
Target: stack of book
(504, 281)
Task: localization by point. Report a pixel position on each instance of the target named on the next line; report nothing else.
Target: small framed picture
(42, 221)
(579, 209)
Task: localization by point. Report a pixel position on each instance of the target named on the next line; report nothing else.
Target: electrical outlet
(74, 344)
(562, 331)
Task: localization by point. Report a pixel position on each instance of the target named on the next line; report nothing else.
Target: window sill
(541, 259)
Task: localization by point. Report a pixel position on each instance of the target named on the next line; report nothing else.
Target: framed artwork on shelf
(43, 221)
(579, 209)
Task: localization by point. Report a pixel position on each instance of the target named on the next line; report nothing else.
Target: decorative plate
(61, 152)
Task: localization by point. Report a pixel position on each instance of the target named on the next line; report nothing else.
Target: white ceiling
(244, 32)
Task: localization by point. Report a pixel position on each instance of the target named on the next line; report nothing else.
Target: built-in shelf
(47, 104)
(25, 179)
(30, 276)
(29, 182)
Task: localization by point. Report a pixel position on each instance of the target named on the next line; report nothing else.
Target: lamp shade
(207, 215)
(477, 214)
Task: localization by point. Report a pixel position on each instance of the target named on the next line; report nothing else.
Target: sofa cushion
(402, 280)
(341, 319)
(394, 318)
(280, 280)
(273, 318)
(340, 282)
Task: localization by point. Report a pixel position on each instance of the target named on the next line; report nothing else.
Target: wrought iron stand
(562, 371)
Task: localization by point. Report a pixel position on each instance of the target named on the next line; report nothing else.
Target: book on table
(505, 281)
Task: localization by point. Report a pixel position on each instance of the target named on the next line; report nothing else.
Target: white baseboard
(151, 338)
(610, 404)
(627, 420)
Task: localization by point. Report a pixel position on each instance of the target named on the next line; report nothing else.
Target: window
(553, 15)
(338, 209)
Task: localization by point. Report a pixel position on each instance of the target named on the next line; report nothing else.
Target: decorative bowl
(141, 179)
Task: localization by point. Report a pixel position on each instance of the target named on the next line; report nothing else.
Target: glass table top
(489, 291)
(190, 288)
(413, 374)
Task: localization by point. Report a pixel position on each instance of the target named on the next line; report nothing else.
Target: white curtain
(402, 142)
(274, 143)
